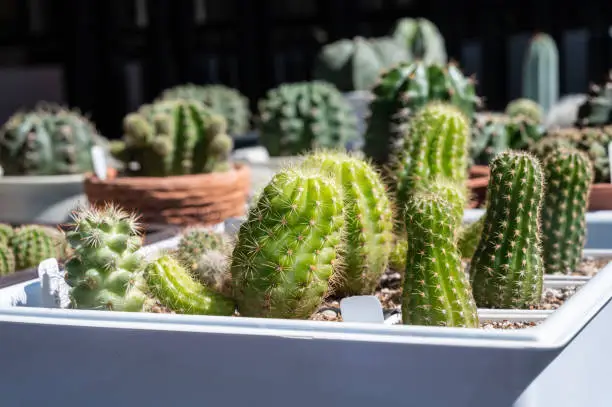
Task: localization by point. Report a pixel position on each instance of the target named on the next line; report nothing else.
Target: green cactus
(525, 107)
(287, 253)
(469, 237)
(541, 71)
(506, 270)
(228, 102)
(568, 175)
(436, 289)
(6, 233)
(298, 117)
(33, 243)
(494, 133)
(7, 260)
(174, 137)
(174, 287)
(397, 259)
(48, 140)
(422, 39)
(105, 271)
(596, 110)
(196, 241)
(545, 146)
(213, 270)
(435, 145)
(368, 220)
(355, 64)
(405, 89)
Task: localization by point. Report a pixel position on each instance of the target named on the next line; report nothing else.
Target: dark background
(106, 57)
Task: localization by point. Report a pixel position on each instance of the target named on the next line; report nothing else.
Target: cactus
(368, 220)
(175, 137)
(195, 242)
(526, 108)
(469, 237)
(228, 102)
(6, 233)
(105, 271)
(568, 175)
(436, 289)
(596, 110)
(541, 71)
(435, 145)
(32, 244)
(422, 39)
(48, 140)
(173, 286)
(298, 117)
(547, 145)
(355, 64)
(286, 256)
(213, 270)
(405, 89)
(7, 260)
(397, 259)
(495, 133)
(506, 270)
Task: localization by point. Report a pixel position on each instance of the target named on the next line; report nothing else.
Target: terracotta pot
(600, 198)
(202, 199)
(477, 184)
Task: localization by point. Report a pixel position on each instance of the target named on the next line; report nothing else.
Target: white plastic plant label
(362, 308)
(54, 289)
(99, 162)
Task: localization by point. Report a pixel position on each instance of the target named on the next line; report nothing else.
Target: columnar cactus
(368, 220)
(6, 233)
(506, 270)
(175, 137)
(174, 287)
(228, 102)
(541, 71)
(568, 175)
(469, 237)
(48, 140)
(7, 260)
(596, 110)
(436, 289)
(298, 117)
(454, 193)
(355, 64)
(105, 271)
(525, 107)
(287, 252)
(32, 244)
(422, 39)
(402, 91)
(435, 145)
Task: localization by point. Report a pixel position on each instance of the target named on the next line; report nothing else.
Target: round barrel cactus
(422, 39)
(174, 137)
(49, 140)
(33, 243)
(525, 107)
(355, 64)
(298, 117)
(228, 102)
(7, 260)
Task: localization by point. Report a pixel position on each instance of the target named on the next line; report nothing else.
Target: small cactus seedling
(568, 175)
(213, 270)
(526, 108)
(469, 237)
(435, 145)
(105, 272)
(286, 254)
(195, 242)
(368, 220)
(6, 233)
(7, 260)
(436, 289)
(506, 270)
(33, 243)
(174, 287)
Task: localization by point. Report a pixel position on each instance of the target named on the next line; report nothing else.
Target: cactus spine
(368, 220)
(7, 260)
(195, 242)
(568, 175)
(176, 289)
(506, 271)
(6, 233)
(33, 244)
(436, 289)
(541, 71)
(287, 250)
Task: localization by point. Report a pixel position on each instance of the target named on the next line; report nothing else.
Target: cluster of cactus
(422, 40)
(596, 110)
(494, 133)
(228, 102)
(48, 140)
(525, 108)
(402, 91)
(541, 71)
(355, 64)
(298, 117)
(174, 137)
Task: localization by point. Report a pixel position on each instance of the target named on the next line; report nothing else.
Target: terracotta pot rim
(602, 185)
(479, 171)
(479, 182)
